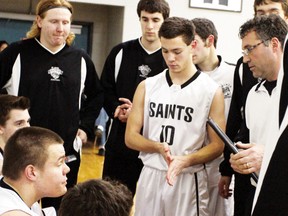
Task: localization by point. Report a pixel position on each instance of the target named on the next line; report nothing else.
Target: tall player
(207, 61)
(59, 79)
(172, 108)
(126, 66)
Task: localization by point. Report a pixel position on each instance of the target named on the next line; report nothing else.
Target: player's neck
(52, 49)
(151, 46)
(2, 143)
(209, 64)
(183, 76)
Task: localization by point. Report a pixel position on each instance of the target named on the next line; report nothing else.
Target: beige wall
(107, 28)
(226, 22)
(107, 23)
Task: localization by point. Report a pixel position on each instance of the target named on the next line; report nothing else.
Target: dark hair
(176, 26)
(27, 146)
(154, 6)
(265, 27)
(97, 197)
(205, 27)
(284, 5)
(10, 102)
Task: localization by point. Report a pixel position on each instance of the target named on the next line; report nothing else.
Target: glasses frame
(249, 49)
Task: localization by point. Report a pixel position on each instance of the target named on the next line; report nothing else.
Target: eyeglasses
(249, 49)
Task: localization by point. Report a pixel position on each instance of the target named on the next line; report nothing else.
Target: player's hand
(249, 159)
(165, 152)
(82, 135)
(122, 111)
(223, 187)
(177, 164)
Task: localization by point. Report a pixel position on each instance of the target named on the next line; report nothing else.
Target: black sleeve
(7, 59)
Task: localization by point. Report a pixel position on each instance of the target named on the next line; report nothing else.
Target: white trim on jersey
(83, 78)
(118, 61)
(12, 86)
(147, 51)
(53, 53)
(241, 73)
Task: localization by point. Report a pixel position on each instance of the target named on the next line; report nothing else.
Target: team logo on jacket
(226, 88)
(144, 70)
(55, 72)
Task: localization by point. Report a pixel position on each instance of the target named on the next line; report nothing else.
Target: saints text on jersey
(173, 111)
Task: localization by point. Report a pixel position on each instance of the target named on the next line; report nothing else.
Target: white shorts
(188, 196)
(218, 206)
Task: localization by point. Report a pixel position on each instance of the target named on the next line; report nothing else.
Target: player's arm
(215, 146)
(224, 187)
(133, 137)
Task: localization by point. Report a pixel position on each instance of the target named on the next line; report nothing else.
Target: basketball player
(207, 61)
(126, 66)
(173, 107)
(59, 79)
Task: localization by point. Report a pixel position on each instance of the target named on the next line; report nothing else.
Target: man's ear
(210, 40)
(1, 130)
(31, 172)
(39, 21)
(275, 43)
(194, 44)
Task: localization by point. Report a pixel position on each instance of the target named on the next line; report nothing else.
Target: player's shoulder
(130, 45)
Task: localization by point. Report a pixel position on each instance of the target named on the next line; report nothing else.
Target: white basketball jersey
(11, 201)
(224, 76)
(177, 114)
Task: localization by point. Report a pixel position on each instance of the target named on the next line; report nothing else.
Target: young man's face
(55, 27)
(150, 25)
(177, 53)
(271, 8)
(201, 51)
(51, 179)
(17, 119)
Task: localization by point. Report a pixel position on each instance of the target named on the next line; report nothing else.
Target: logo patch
(55, 72)
(226, 88)
(144, 70)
